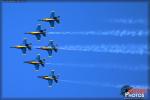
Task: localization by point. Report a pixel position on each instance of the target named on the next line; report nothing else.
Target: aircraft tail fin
(56, 78)
(42, 62)
(55, 49)
(29, 46)
(44, 34)
(58, 19)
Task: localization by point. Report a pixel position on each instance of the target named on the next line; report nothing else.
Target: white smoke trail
(90, 83)
(103, 66)
(100, 84)
(119, 33)
(119, 49)
(128, 21)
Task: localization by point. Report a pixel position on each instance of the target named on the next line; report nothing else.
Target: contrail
(100, 84)
(103, 66)
(103, 48)
(119, 33)
(128, 21)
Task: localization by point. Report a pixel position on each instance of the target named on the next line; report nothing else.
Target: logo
(129, 92)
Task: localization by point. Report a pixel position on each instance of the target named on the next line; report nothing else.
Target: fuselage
(46, 48)
(48, 19)
(19, 46)
(33, 62)
(34, 33)
(47, 78)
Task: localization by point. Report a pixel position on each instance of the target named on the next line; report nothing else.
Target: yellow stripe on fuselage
(46, 77)
(46, 48)
(35, 32)
(34, 62)
(48, 19)
(20, 46)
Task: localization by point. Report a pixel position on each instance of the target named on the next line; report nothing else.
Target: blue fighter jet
(52, 19)
(51, 47)
(37, 62)
(39, 31)
(51, 78)
(24, 46)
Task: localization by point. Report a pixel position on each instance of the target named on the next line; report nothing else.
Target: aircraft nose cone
(26, 62)
(39, 76)
(40, 20)
(38, 48)
(13, 47)
(27, 33)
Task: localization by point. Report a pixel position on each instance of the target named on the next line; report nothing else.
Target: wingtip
(39, 24)
(52, 70)
(49, 56)
(52, 27)
(49, 86)
(24, 54)
(38, 54)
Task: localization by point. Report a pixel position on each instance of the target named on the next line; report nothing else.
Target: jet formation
(38, 61)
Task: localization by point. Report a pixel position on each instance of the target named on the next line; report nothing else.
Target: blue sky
(20, 80)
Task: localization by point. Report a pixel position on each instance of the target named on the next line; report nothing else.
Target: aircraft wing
(36, 67)
(38, 57)
(52, 14)
(50, 43)
(51, 23)
(25, 41)
(49, 52)
(52, 73)
(50, 82)
(23, 50)
(38, 28)
(38, 36)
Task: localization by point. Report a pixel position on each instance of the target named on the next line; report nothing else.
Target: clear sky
(77, 77)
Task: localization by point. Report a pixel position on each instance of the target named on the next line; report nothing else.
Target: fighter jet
(52, 77)
(38, 32)
(51, 47)
(52, 19)
(24, 46)
(37, 62)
